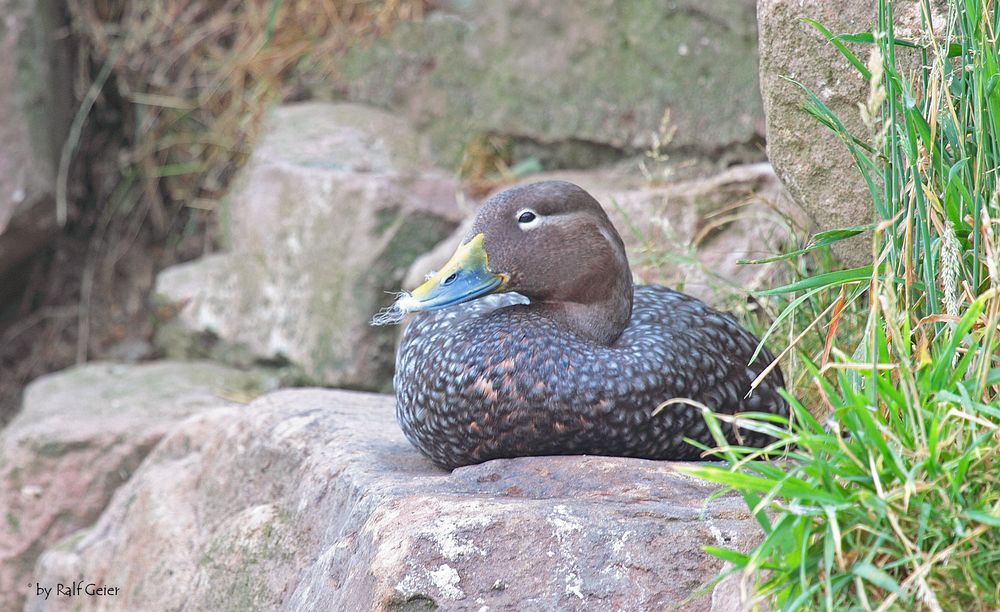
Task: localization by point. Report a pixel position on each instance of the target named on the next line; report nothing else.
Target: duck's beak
(466, 276)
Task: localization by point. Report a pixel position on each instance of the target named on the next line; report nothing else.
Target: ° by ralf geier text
(78, 588)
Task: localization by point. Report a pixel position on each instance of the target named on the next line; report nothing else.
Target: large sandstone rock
(313, 500)
(335, 204)
(36, 103)
(476, 66)
(688, 234)
(810, 160)
(82, 433)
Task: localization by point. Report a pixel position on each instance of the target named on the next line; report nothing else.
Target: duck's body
(501, 377)
(489, 379)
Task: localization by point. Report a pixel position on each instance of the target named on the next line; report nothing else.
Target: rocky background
(167, 462)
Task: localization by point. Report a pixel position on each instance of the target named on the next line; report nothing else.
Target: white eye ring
(527, 219)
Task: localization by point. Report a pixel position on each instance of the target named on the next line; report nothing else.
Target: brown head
(550, 241)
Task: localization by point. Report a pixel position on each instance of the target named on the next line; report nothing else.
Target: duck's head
(549, 241)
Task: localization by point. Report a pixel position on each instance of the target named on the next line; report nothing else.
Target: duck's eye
(450, 279)
(526, 217)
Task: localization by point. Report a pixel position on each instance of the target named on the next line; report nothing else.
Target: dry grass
(196, 76)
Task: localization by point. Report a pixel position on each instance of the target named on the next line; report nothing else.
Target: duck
(534, 340)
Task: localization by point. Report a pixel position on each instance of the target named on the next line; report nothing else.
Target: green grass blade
(820, 281)
(847, 53)
(818, 241)
(878, 577)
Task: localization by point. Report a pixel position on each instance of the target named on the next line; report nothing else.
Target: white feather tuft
(391, 315)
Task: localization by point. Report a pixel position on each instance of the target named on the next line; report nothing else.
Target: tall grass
(893, 500)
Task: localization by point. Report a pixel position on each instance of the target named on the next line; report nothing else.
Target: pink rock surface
(312, 499)
(80, 435)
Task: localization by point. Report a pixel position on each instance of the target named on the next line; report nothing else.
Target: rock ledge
(312, 499)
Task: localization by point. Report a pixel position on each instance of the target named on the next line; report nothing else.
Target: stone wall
(576, 83)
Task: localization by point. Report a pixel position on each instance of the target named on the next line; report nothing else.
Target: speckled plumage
(491, 378)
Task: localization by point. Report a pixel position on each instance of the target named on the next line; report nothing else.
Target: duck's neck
(600, 315)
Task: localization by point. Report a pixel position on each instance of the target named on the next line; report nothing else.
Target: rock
(687, 234)
(36, 106)
(81, 434)
(312, 499)
(479, 67)
(811, 161)
(335, 204)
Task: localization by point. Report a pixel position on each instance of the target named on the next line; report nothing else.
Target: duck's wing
(708, 351)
